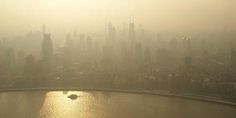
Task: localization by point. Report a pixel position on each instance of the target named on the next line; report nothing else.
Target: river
(56, 104)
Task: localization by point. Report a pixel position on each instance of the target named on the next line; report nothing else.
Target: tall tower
(29, 67)
(9, 60)
(233, 59)
(47, 48)
(138, 53)
(188, 53)
(69, 50)
(131, 34)
(111, 32)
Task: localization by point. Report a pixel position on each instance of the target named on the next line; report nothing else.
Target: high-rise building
(69, 44)
(47, 48)
(188, 53)
(187, 44)
(82, 42)
(159, 42)
(233, 59)
(147, 56)
(138, 53)
(111, 32)
(173, 44)
(131, 35)
(69, 53)
(89, 43)
(1, 53)
(9, 61)
(29, 67)
(188, 62)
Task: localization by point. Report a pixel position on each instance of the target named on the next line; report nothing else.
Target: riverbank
(166, 93)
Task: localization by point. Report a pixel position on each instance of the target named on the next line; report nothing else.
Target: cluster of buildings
(123, 58)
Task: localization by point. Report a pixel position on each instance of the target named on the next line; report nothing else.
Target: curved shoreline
(149, 92)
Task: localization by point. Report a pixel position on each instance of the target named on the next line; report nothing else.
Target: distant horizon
(93, 15)
(17, 31)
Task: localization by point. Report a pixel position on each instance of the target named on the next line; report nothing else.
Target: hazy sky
(92, 14)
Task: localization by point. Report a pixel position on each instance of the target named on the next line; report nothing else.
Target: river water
(56, 104)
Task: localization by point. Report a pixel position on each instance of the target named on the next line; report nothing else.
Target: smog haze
(93, 15)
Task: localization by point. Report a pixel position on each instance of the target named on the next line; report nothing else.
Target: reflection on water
(106, 105)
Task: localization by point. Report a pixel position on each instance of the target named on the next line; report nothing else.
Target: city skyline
(117, 58)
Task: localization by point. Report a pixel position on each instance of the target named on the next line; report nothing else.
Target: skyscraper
(131, 35)
(173, 44)
(138, 53)
(47, 48)
(9, 60)
(1, 52)
(188, 62)
(69, 50)
(147, 56)
(29, 67)
(233, 59)
(188, 53)
(69, 44)
(111, 32)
